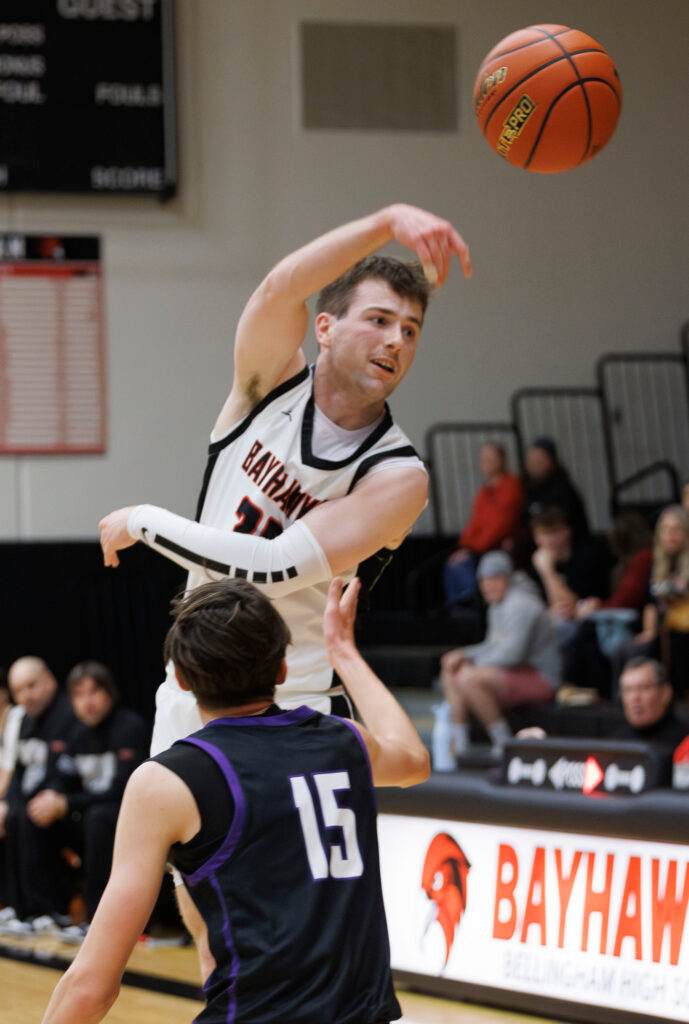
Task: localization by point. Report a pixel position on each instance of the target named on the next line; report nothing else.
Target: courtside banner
(583, 918)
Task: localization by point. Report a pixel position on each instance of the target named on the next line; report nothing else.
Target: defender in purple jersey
(270, 817)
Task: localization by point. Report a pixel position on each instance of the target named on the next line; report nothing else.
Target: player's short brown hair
(227, 642)
(405, 278)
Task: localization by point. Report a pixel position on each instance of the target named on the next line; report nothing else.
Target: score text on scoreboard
(87, 96)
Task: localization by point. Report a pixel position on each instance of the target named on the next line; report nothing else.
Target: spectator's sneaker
(73, 934)
(62, 920)
(13, 926)
(44, 925)
(7, 914)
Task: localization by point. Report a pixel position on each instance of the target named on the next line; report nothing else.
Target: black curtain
(59, 602)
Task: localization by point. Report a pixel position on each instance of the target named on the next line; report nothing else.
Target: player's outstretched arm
(157, 810)
(272, 327)
(398, 756)
(334, 537)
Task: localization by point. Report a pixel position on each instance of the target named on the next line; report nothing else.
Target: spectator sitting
(495, 521)
(103, 750)
(616, 617)
(33, 891)
(631, 544)
(665, 620)
(517, 663)
(568, 570)
(10, 719)
(647, 702)
(547, 483)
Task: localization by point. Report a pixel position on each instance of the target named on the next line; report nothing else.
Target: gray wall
(566, 266)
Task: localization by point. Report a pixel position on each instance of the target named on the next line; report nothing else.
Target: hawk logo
(444, 880)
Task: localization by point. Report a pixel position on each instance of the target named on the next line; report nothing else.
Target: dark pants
(34, 869)
(96, 837)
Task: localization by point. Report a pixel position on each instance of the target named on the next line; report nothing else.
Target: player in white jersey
(307, 476)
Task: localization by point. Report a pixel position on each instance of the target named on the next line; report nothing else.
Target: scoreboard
(87, 96)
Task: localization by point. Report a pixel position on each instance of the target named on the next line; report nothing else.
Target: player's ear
(323, 326)
(182, 684)
(282, 673)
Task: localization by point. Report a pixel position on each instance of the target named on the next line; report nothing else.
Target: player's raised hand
(114, 535)
(432, 238)
(340, 613)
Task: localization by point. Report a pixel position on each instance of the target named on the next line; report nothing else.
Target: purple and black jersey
(290, 891)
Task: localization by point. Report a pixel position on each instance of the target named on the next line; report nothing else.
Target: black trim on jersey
(307, 455)
(215, 447)
(222, 567)
(405, 451)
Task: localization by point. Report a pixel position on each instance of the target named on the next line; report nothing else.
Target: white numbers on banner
(345, 861)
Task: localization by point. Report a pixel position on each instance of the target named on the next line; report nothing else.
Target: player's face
(32, 689)
(644, 702)
(91, 703)
(374, 343)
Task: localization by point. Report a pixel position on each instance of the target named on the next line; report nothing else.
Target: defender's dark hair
(407, 279)
(101, 675)
(227, 642)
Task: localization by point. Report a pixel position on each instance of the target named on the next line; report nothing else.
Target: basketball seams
(555, 101)
(586, 99)
(534, 71)
(523, 46)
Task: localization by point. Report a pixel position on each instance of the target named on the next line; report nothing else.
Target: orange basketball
(547, 98)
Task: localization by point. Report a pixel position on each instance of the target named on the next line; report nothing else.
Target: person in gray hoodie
(518, 662)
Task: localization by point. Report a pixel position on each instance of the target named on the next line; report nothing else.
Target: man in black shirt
(647, 695)
(284, 875)
(104, 748)
(32, 855)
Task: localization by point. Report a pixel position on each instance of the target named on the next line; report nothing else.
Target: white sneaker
(7, 914)
(44, 924)
(74, 934)
(15, 927)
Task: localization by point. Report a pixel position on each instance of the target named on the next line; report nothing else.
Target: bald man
(34, 895)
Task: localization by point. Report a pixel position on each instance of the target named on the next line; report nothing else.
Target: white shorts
(177, 714)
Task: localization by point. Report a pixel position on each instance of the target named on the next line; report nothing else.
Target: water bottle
(441, 739)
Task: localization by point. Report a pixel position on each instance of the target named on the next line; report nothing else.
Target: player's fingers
(332, 606)
(461, 248)
(440, 252)
(350, 597)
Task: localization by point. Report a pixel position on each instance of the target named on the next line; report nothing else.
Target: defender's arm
(157, 810)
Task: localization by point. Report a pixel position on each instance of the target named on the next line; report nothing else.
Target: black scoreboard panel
(87, 96)
(587, 766)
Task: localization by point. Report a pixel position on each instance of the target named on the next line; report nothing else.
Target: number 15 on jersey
(344, 860)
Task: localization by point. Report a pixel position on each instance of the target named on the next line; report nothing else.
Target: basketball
(547, 98)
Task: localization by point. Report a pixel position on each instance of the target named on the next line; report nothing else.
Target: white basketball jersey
(262, 476)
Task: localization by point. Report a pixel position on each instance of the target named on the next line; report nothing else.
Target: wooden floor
(26, 989)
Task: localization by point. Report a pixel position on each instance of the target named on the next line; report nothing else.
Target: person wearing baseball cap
(518, 662)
